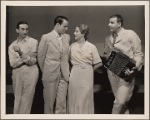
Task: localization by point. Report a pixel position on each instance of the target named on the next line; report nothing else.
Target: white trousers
(24, 83)
(122, 91)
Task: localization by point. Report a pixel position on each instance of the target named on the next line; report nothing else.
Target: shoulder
(32, 40)
(108, 37)
(47, 35)
(130, 32)
(13, 43)
(73, 45)
(89, 44)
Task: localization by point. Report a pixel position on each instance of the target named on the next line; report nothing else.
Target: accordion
(118, 63)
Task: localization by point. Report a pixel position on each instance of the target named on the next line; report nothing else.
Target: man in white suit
(53, 61)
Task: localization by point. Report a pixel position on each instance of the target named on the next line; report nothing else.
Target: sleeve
(14, 58)
(107, 50)
(42, 50)
(96, 56)
(31, 58)
(137, 49)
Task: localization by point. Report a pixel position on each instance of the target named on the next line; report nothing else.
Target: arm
(137, 51)
(30, 58)
(97, 62)
(14, 58)
(107, 50)
(42, 50)
(96, 66)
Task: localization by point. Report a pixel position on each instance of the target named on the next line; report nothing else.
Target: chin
(111, 30)
(75, 38)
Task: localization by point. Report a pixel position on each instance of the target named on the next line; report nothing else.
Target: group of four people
(68, 91)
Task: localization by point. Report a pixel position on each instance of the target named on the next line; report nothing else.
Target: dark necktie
(114, 38)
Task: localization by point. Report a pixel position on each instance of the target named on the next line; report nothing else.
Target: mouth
(110, 29)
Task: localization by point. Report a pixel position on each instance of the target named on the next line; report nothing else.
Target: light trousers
(122, 91)
(55, 92)
(24, 83)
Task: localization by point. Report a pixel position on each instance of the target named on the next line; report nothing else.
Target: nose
(109, 24)
(25, 31)
(66, 28)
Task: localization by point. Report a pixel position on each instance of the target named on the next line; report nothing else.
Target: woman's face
(78, 34)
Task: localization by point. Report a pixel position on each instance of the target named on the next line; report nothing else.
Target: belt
(83, 66)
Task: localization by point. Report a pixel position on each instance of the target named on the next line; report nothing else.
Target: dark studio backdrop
(40, 19)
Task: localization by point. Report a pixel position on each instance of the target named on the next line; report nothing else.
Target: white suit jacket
(52, 60)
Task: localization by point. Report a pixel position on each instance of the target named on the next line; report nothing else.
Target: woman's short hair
(84, 29)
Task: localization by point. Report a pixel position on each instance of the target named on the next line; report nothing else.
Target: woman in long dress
(85, 59)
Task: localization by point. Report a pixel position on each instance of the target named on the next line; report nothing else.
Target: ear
(17, 30)
(119, 24)
(57, 24)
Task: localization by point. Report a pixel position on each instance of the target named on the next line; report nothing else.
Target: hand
(17, 49)
(139, 67)
(128, 72)
(24, 57)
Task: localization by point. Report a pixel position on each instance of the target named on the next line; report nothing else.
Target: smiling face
(114, 25)
(78, 34)
(22, 30)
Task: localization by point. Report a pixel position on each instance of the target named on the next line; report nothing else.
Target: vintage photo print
(40, 16)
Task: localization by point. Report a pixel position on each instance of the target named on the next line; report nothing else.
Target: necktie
(114, 38)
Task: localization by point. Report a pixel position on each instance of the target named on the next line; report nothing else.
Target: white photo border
(71, 3)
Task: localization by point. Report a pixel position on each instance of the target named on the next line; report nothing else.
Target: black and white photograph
(75, 60)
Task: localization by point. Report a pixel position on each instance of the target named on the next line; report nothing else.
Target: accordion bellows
(118, 63)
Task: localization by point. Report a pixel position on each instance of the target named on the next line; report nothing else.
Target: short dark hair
(59, 19)
(21, 22)
(119, 18)
(84, 29)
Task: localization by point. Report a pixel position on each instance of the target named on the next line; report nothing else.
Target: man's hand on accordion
(129, 72)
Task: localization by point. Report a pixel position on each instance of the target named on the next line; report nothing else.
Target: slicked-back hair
(84, 29)
(21, 22)
(59, 19)
(119, 18)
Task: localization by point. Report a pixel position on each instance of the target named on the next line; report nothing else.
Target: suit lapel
(55, 42)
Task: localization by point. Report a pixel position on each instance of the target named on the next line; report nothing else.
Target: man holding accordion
(124, 57)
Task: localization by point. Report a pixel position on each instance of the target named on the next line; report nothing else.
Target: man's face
(23, 30)
(63, 27)
(113, 24)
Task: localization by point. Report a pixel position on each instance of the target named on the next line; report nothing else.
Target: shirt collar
(57, 35)
(25, 39)
(120, 32)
